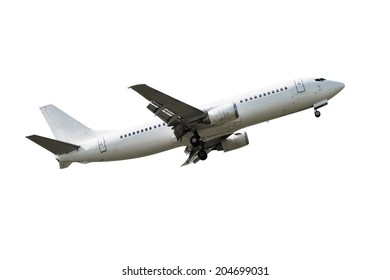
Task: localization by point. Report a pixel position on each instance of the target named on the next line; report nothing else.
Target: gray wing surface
(161, 101)
(54, 146)
(177, 114)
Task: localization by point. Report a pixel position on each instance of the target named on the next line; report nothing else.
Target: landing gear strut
(317, 113)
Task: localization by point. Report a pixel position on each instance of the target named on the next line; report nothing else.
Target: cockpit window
(320, 80)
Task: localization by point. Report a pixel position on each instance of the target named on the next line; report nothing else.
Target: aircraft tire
(195, 142)
(202, 155)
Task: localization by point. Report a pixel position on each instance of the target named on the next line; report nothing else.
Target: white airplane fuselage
(254, 107)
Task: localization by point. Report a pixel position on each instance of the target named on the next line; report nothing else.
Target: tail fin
(64, 127)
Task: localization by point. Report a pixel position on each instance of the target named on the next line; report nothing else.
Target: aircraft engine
(235, 141)
(222, 114)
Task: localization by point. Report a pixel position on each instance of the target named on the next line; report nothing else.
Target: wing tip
(136, 86)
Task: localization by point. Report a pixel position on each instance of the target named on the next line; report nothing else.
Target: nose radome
(339, 86)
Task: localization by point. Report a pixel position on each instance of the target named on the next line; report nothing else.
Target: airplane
(215, 127)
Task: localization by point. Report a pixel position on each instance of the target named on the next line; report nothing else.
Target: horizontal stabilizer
(54, 146)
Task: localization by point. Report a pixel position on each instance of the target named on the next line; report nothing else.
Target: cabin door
(299, 85)
(102, 144)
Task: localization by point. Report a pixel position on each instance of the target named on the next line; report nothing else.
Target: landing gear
(202, 155)
(195, 141)
(318, 105)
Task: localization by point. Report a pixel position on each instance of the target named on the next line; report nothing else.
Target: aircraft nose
(339, 86)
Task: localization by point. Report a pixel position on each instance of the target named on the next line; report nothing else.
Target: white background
(308, 197)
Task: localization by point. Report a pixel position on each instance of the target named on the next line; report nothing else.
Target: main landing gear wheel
(317, 113)
(202, 155)
(195, 141)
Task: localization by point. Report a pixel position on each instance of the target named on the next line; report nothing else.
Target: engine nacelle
(222, 114)
(235, 141)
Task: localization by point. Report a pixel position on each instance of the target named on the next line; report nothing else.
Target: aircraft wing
(175, 113)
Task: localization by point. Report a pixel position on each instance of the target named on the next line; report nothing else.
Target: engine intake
(235, 141)
(222, 114)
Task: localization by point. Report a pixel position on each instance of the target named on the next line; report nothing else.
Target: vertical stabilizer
(64, 127)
